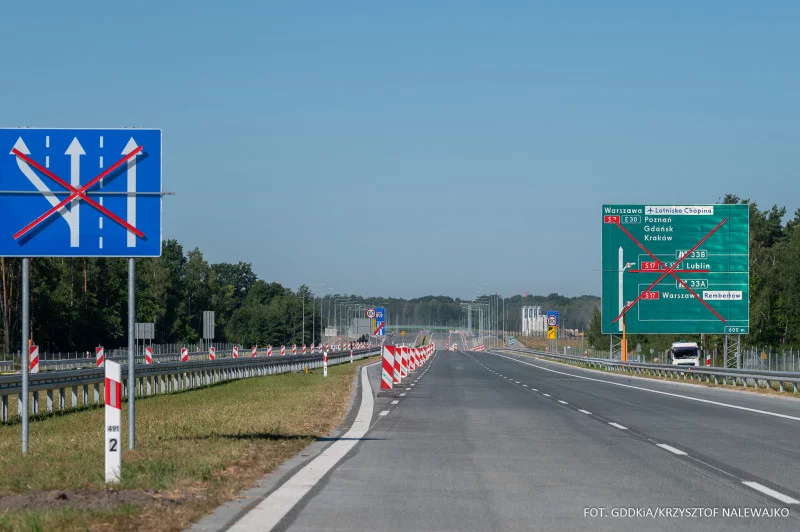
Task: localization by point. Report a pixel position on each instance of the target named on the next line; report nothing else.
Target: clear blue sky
(409, 148)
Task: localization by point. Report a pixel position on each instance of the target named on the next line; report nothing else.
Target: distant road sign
(370, 313)
(552, 317)
(402, 333)
(552, 332)
(380, 329)
(683, 268)
(80, 192)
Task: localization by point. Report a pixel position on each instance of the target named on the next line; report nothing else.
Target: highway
(496, 441)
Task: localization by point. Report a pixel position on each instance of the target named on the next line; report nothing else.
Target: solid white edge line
(771, 492)
(280, 502)
(617, 425)
(690, 398)
(585, 412)
(671, 449)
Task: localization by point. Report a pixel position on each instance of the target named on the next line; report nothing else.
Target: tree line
(77, 303)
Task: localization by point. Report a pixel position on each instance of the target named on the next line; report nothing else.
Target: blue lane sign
(80, 192)
(552, 318)
(380, 324)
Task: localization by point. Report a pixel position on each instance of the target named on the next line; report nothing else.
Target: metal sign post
(131, 353)
(23, 354)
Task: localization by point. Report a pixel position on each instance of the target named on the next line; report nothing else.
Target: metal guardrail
(776, 380)
(86, 386)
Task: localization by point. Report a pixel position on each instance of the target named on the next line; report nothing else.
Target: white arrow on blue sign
(80, 192)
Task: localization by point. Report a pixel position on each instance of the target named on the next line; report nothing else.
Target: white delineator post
(113, 421)
(184, 354)
(99, 356)
(34, 364)
(351, 356)
(148, 355)
(325, 364)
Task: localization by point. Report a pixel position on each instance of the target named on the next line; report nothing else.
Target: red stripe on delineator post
(113, 393)
(83, 196)
(669, 271)
(387, 367)
(75, 194)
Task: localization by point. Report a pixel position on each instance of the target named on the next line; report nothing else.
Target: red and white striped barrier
(235, 352)
(294, 349)
(113, 419)
(33, 366)
(404, 369)
(184, 354)
(479, 347)
(283, 350)
(326, 346)
(304, 349)
(398, 365)
(387, 367)
(269, 350)
(212, 353)
(99, 356)
(417, 358)
(254, 350)
(148, 355)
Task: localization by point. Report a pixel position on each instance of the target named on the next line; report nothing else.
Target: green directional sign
(675, 269)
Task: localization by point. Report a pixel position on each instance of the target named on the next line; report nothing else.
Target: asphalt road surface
(495, 441)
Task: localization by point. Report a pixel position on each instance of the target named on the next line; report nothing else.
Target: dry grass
(194, 450)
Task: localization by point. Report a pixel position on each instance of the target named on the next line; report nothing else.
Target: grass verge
(194, 451)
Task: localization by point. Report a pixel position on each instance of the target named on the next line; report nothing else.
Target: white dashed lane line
(671, 449)
(384, 413)
(395, 401)
(771, 492)
(402, 394)
(786, 499)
